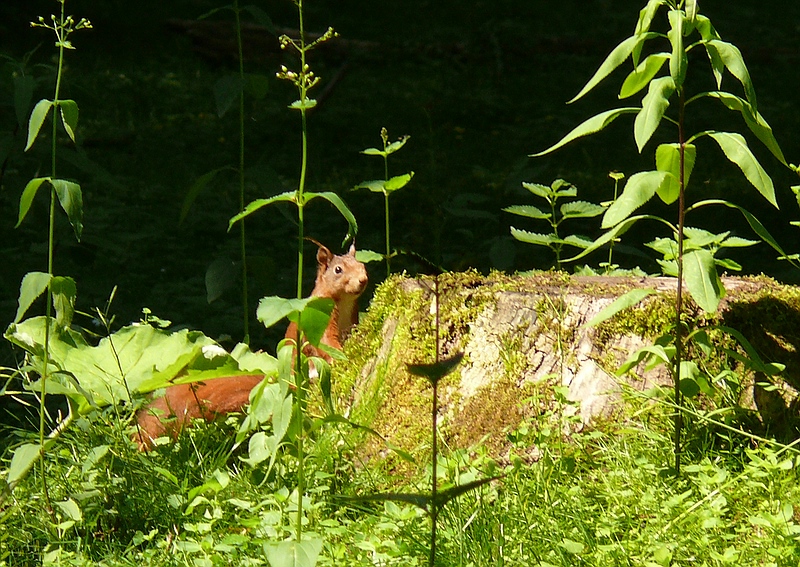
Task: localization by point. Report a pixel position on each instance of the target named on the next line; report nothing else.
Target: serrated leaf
(71, 199)
(40, 112)
(577, 241)
(668, 159)
(730, 56)
(305, 104)
(253, 206)
(735, 148)
(28, 194)
(638, 190)
(640, 77)
(33, 285)
(737, 242)
(532, 237)
(528, 211)
(755, 122)
(614, 59)
(591, 126)
(629, 299)
(543, 191)
(581, 209)
(654, 105)
(702, 279)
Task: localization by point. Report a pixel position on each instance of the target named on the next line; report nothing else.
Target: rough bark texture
(527, 347)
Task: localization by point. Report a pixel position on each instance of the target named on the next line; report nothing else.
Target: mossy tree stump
(526, 345)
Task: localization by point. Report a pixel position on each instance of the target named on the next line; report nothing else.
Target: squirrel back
(341, 278)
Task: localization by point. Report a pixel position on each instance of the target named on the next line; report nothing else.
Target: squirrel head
(339, 276)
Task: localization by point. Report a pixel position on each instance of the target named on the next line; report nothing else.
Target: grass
(600, 498)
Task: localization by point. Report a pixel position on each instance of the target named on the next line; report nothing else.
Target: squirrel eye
(338, 269)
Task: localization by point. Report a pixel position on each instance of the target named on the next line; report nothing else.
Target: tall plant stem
(676, 371)
(299, 381)
(434, 436)
(386, 212)
(242, 241)
(50, 247)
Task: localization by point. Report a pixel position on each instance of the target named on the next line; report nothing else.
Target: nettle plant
(387, 186)
(573, 209)
(689, 254)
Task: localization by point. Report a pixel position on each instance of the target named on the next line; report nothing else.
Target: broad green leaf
(40, 112)
(71, 199)
(394, 146)
(629, 299)
(705, 27)
(437, 370)
(614, 59)
(33, 285)
(731, 57)
(590, 126)
(197, 186)
(528, 211)
(374, 185)
(367, 256)
(668, 159)
(305, 104)
(28, 194)
(70, 509)
(577, 241)
(227, 91)
(294, 553)
(64, 293)
(272, 309)
(69, 116)
(654, 105)
(571, 547)
(581, 209)
(314, 318)
(658, 353)
(615, 232)
(398, 182)
(561, 188)
(735, 148)
(754, 223)
(640, 77)
(253, 206)
(647, 14)
(340, 205)
(373, 152)
(690, 6)
(532, 237)
(737, 242)
(757, 124)
(702, 279)
(543, 191)
(638, 190)
(678, 61)
(221, 275)
(22, 461)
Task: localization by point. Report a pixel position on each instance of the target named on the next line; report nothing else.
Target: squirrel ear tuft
(352, 251)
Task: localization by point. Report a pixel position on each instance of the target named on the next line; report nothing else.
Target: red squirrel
(341, 278)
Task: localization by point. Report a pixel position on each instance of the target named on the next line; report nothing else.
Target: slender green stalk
(679, 293)
(242, 241)
(386, 211)
(300, 381)
(434, 436)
